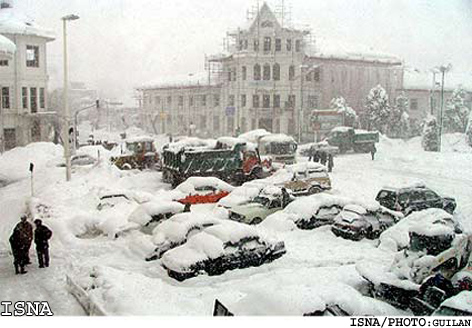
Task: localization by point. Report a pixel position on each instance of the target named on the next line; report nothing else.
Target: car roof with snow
(139, 139)
(404, 186)
(143, 214)
(279, 138)
(192, 184)
(244, 193)
(462, 302)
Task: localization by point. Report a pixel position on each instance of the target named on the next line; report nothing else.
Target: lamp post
(66, 126)
(443, 69)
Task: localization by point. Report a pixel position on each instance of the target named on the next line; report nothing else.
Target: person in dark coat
(316, 156)
(285, 197)
(42, 234)
(373, 150)
(25, 236)
(17, 248)
(187, 208)
(323, 158)
(330, 162)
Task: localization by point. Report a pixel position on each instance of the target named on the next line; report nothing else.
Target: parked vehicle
(225, 246)
(356, 222)
(414, 198)
(80, 160)
(280, 148)
(459, 305)
(309, 149)
(434, 245)
(177, 230)
(347, 138)
(137, 153)
(304, 178)
(201, 190)
(244, 193)
(238, 164)
(269, 201)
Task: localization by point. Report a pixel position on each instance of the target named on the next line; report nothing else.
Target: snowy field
(318, 268)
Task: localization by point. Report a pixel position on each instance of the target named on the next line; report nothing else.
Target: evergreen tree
(456, 113)
(349, 114)
(430, 141)
(377, 109)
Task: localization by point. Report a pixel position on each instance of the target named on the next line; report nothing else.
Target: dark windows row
(191, 100)
(271, 43)
(267, 72)
(263, 101)
(36, 96)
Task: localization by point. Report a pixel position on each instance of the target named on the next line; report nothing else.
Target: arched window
(266, 75)
(291, 73)
(276, 72)
(257, 72)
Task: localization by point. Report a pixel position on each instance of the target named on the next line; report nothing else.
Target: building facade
(270, 76)
(23, 81)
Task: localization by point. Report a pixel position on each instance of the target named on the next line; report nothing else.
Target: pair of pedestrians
(21, 240)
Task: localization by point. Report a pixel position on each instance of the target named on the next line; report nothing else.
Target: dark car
(356, 222)
(226, 246)
(414, 198)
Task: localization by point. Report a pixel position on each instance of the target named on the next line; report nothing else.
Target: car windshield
(264, 201)
(386, 198)
(282, 148)
(433, 245)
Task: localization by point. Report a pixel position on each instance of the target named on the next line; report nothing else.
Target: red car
(202, 190)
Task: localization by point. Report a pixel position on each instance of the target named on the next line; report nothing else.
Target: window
(298, 45)
(276, 101)
(414, 104)
(158, 100)
(312, 102)
(289, 44)
(257, 72)
(266, 101)
(266, 73)
(278, 44)
(6, 97)
(245, 44)
(42, 98)
(291, 73)
(256, 45)
(190, 100)
(317, 74)
(4, 62)
(203, 122)
(33, 100)
(291, 101)
(243, 100)
(24, 97)
(204, 100)
(229, 75)
(231, 100)
(276, 72)
(32, 56)
(267, 44)
(36, 131)
(181, 101)
(309, 77)
(216, 123)
(216, 100)
(169, 100)
(233, 74)
(255, 101)
(244, 73)
(429, 195)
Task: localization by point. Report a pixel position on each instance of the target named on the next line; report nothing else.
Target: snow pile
(243, 194)
(144, 213)
(255, 135)
(462, 301)
(277, 138)
(191, 144)
(192, 184)
(14, 164)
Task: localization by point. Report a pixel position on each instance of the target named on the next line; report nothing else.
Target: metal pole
(300, 113)
(2, 135)
(66, 106)
(432, 93)
(443, 71)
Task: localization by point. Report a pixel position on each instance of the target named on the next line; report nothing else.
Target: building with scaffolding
(23, 81)
(271, 75)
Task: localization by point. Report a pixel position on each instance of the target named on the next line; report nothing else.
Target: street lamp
(65, 129)
(443, 69)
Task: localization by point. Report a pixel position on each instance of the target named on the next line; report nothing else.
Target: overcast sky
(120, 44)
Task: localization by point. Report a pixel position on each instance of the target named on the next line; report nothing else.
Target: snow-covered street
(318, 267)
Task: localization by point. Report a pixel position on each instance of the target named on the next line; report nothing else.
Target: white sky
(120, 44)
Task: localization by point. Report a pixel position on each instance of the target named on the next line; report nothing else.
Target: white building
(23, 81)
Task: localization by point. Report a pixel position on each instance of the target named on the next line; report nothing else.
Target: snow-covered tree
(377, 109)
(468, 131)
(430, 141)
(405, 127)
(456, 112)
(349, 114)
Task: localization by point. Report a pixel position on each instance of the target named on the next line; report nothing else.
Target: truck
(347, 138)
(236, 163)
(279, 148)
(137, 153)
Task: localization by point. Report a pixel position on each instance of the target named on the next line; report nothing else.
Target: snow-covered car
(243, 194)
(417, 197)
(201, 190)
(177, 230)
(80, 160)
(308, 212)
(269, 201)
(459, 305)
(432, 244)
(305, 178)
(148, 215)
(357, 222)
(308, 149)
(225, 246)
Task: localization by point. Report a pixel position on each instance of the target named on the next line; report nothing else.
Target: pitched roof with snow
(415, 79)
(183, 81)
(7, 47)
(12, 22)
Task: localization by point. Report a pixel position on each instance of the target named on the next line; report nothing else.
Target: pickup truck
(347, 138)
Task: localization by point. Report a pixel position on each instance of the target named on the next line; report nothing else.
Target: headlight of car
(236, 217)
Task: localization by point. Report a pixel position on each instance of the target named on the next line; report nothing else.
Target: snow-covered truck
(236, 164)
(347, 138)
(137, 153)
(279, 148)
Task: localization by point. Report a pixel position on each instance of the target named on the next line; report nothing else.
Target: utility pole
(443, 69)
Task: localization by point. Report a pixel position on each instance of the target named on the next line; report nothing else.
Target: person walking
(25, 230)
(323, 158)
(187, 208)
(316, 156)
(17, 248)
(330, 162)
(42, 234)
(373, 150)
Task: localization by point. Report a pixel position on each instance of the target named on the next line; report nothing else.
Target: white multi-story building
(270, 76)
(23, 81)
